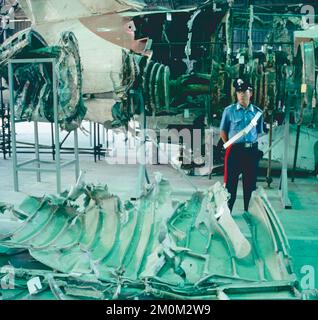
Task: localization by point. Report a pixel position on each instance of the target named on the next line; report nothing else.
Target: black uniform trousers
(243, 160)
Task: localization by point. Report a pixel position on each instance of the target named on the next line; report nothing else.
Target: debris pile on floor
(87, 244)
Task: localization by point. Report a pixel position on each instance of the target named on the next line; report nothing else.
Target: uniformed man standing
(241, 125)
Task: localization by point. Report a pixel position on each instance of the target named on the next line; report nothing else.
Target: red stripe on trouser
(227, 154)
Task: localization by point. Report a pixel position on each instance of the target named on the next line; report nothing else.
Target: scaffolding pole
(57, 164)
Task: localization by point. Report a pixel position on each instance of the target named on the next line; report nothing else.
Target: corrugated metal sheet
(20, 25)
(240, 38)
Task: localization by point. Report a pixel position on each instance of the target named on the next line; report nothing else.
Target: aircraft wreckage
(33, 82)
(88, 244)
(181, 58)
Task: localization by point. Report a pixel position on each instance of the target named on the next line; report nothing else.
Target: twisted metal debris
(33, 82)
(88, 244)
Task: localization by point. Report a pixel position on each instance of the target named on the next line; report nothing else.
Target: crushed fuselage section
(33, 82)
(92, 245)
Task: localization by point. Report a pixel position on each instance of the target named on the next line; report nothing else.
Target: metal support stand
(98, 147)
(156, 151)
(90, 134)
(284, 178)
(107, 138)
(296, 153)
(5, 135)
(58, 165)
(53, 143)
(37, 153)
(95, 143)
(142, 171)
(269, 178)
(208, 157)
(103, 136)
(97, 151)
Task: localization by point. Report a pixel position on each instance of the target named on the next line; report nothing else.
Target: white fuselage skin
(101, 33)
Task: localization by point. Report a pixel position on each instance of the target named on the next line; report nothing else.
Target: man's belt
(243, 132)
(246, 145)
(250, 145)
